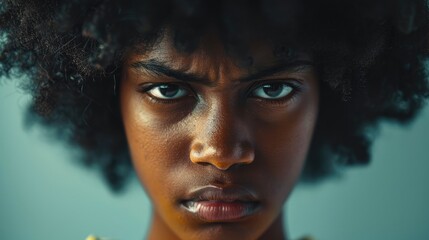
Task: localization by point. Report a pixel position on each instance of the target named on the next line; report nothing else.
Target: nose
(222, 139)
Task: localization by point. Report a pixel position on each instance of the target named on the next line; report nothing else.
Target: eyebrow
(161, 68)
(292, 66)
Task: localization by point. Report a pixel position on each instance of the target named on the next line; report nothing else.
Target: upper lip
(222, 194)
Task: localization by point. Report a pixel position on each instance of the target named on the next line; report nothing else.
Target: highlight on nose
(222, 157)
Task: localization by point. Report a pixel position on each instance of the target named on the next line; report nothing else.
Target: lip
(216, 204)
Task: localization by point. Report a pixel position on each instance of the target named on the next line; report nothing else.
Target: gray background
(44, 195)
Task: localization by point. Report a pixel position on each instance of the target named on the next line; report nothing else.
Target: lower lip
(218, 211)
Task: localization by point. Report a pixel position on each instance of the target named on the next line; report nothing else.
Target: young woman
(219, 107)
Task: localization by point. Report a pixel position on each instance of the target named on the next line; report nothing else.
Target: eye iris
(168, 90)
(272, 90)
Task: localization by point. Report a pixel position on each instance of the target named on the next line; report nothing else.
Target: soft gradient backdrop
(45, 195)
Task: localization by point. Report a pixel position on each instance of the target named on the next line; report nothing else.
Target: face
(217, 147)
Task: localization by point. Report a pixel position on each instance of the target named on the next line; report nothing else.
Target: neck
(159, 230)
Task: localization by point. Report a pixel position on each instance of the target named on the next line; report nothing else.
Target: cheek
(283, 152)
(282, 145)
(156, 149)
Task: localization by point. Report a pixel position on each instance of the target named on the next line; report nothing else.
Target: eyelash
(294, 84)
(296, 88)
(145, 88)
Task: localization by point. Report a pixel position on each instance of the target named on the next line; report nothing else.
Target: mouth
(215, 204)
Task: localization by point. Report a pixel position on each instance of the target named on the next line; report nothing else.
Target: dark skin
(199, 119)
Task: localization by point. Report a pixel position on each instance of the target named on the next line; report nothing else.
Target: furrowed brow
(294, 66)
(160, 68)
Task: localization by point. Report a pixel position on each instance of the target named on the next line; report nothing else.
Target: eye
(168, 91)
(272, 91)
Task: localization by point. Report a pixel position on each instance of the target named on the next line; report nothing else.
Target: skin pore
(198, 121)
